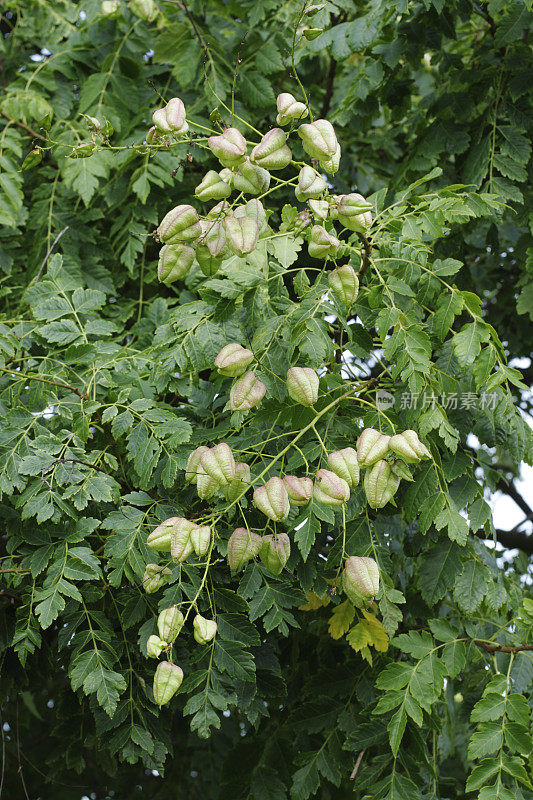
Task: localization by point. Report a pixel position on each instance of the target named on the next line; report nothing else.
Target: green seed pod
(251, 179)
(344, 463)
(360, 578)
(408, 446)
(272, 151)
(145, 9)
(175, 260)
(289, 109)
(180, 224)
(331, 165)
(155, 577)
(180, 542)
(380, 484)
(322, 244)
(153, 136)
(161, 537)
(175, 113)
(169, 623)
(155, 646)
(214, 238)
(243, 234)
(219, 211)
(371, 447)
(208, 263)
(275, 552)
(312, 33)
(240, 482)
(345, 283)
(192, 464)
(254, 210)
(302, 385)
(300, 490)
(82, 150)
(272, 499)
(226, 175)
(219, 463)
(233, 360)
(110, 8)
(204, 629)
(205, 484)
(355, 212)
(33, 158)
(302, 221)
(243, 545)
(212, 187)
(329, 489)
(201, 539)
(318, 139)
(310, 184)
(320, 208)
(167, 680)
(246, 393)
(229, 147)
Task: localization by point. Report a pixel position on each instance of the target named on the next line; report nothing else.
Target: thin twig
(72, 461)
(329, 88)
(357, 764)
(367, 252)
(183, 5)
(44, 380)
(502, 648)
(47, 256)
(23, 125)
(18, 756)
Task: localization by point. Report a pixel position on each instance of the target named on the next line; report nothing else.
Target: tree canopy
(264, 358)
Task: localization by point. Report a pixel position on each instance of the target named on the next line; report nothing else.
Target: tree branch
(23, 125)
(47, 256)
(502, 648)
(366, 253)
(44, 380)
(329, 88)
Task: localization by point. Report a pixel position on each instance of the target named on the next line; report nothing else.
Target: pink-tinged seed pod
(219, 463)
(408, 446)
(215, 239)
(275, 552)
(160, 538)
(153, 135)
(155, 577)
(206, 486)
(255, 210)
(272, 151)
(320, 208)
(355, 213)
(192, 464)
(229, 147)
(371, 447)
(204, 629)
(155, 646)
(167, 680)
(159, 118)
(300, 490)
(212, 187)
(240, 483)
(360, 578)
(246, 393)
(201, 539)
(272, 499)
(344, 463)
(208, 264)
(242, 233)
(169, 623)
(318, 139)
(331, 165)
(219, 211)
(345, 284)
(233, 360)
(380, 484)
(289, 109)
(110, 8)
(180, 543)
(175, 260)
(310, 184)
(243, 545)
(175, 114)
(180, 224)
(329, 489)
(302, 221)
(251, 179)
(322, 244)
(302, 385)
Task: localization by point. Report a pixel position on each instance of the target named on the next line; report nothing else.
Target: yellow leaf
(341, 619)
(358, 636)
(376, 632)
(314, 602)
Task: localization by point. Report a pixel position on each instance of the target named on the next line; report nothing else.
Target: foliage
(108, 383)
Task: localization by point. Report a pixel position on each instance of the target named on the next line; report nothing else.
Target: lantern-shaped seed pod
(160, 538)
(243, 545)
(153, 136)
(167, 680)
(254, 210)
(229, 147)
(371, 447)
(233, 360)
(322, 244)
(300, 490)
(212, 187)
(408, 446)
(331, 165)
(169, 623)
(320, 208)
(171, 118)
(275, 552)
(180, 544)
(180, 224)
(208, 263)
(380, 484)
(329, 489)
(175, 260)
(345, 284)
(219, 211)
(360, 578)
(272, 499)
(219, 463)
(206, 486)
(310, 184)
(204, 629)
(243, 234)
(318, 139)
(201, 539)
(192, 464)
(155, 577)
(272, 151)
(355, 213)
(289, 109)
(251, 178)
(155, 646)
(302, 385)
(240, 482)
(344, 463)
(246, 393)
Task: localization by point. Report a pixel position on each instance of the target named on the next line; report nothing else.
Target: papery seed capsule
(169, 623)
(345, 283)
(155, 577)
(360, 578)
(300, 490)
(159, 118)
(344, 463)
(219, 463)
(243, 234)
(233, 360)
(167, 680)
(180, 224)
(175, 260)
(302, 385)
(322, 244)
(243, 545)
(255, 210)
(204, 629)
(371, 447)
(289, 109)
(318, 139)
(155, 646)
(275, 552)
(215, 239)
(251, 179)
(229, 147)
(219, 211)
(302, 221)
(175, 114)
(212, 187)
(192, 464)
(206, 486)
(355, 212)
(208, 263)
(331, 165)
(310, 184)
(82, 150)
(272, 499)
(319, 208)
(329, 489)
(201, 539)
(153, 135)
(380, 484)
(160, 538)
(240, 483)
(180, 542)
(272, 151)
(409, 447)
(110, 7)
(247, 392)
